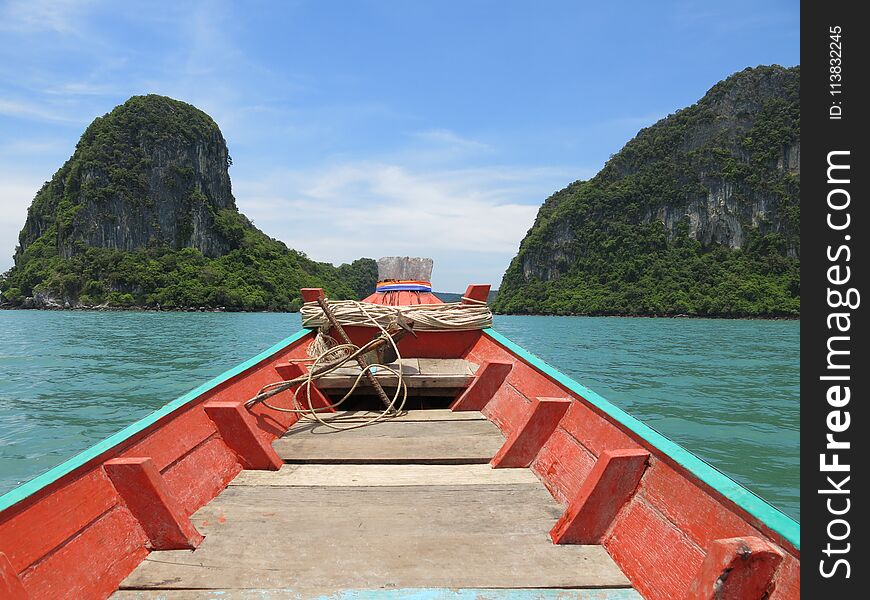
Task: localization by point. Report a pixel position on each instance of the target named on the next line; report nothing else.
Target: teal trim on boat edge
(434, 594)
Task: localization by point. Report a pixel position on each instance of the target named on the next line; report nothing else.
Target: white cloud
(456, 216)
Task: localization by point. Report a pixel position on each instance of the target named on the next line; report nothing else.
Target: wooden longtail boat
(212, 497)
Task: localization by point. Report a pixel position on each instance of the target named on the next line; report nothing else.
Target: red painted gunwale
(77, 537)
(661, 534)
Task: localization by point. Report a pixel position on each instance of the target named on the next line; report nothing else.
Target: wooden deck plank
(340, 381)
(410, 366)
(376, 475)
(445, 366)
(391, 594)
(425, 373)
(429, 510)
(447, 442)
(412, 363)
(454, 451)
(325, 539)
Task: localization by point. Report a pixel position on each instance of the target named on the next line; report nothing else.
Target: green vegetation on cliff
(261, 274)
(143, 214)
(699, 214)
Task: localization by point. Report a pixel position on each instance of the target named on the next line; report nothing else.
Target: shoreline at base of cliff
(223, 309)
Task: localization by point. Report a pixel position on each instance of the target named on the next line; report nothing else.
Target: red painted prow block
(476, 291)
(311, 294)
(239, 432)
(487, 380)
(736, 568)
(318, 399)
(10, 584)
(605, 491)
(529, 437)
(146, 495)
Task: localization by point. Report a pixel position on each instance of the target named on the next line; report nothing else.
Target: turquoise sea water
(725, 389)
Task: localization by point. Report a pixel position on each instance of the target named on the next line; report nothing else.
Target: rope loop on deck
(327, 356)
(426, 317)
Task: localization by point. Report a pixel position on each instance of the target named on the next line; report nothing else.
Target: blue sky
(373, 128)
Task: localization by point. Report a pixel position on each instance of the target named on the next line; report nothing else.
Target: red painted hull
(79, 537)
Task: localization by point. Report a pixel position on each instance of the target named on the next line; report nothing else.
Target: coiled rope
(327, 355)
(343, 353)
(426, 317)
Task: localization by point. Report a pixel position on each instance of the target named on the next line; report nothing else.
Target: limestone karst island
(697, 215)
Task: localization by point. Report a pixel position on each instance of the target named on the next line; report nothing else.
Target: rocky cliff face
(730, 209)
(153, 171)
(143, 214)
(730, 203)
(721, 175)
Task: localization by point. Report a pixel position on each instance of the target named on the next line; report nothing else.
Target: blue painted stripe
(34, 485)
(485, 594)
(413, 594)
(403, 287)
(772, 518)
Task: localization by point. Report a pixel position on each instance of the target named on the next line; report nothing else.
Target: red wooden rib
(239, 431)
(520, 449)
(487, 381)
(607, 489)
(738, 569)
(146, 495)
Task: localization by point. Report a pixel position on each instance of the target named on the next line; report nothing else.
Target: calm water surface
(727, 390)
